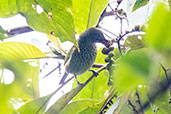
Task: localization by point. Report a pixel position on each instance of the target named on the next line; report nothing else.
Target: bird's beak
(107, 43)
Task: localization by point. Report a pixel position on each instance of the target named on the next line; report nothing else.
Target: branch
(18, 30)
(165, 71)
(133, 107)
(139, 100)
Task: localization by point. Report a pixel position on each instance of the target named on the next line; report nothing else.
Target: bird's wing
(69, 55)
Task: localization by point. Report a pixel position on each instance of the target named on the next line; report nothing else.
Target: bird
(78, 61)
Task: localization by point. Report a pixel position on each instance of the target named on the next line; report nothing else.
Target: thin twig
(139, 100)
(96, 65)
(108, 31)
(121, 25)
(48, 57)
(165, 71)
(133, 107)
(51, 71)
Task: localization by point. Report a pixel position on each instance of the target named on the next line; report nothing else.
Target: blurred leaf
(5, 107)
(134, 42)
(137, 67)
(8, 8)
(98, 86)
(32, 80)
(139, 3)
(78, 106)
(17, 88)
(13, 53)
(87, 13)
(24, 86)
(162, 101)
(36, 106)
(159, 30)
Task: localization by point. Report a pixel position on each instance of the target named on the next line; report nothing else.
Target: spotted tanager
(80, 60)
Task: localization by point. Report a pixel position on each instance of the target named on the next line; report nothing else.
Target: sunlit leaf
(8, 8)
(51, 17)
(19, 51)
(78, 106)
(37, 106)
(55, 18)
(139, 3)
(90, 110)
(87, 13)
(134, 42)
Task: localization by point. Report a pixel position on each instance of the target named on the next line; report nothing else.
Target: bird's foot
(78, 81)
(80, 84)
(95, 73)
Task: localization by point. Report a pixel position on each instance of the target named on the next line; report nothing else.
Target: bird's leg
(77, 80)
(94, 73)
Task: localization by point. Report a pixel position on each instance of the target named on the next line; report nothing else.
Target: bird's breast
(81, 61)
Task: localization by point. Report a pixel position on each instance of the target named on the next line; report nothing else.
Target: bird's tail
(63, 78)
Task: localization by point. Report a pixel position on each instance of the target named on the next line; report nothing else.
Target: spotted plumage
(78, 62)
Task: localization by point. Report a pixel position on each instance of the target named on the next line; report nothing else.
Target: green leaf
(19, 51)
(23, 86)
(13, 53)
(87, 13)
(55, 19)
(51, 17)
(2, 33)
(78, 106)
(90, 110)
(159, 30)
(98, 86)
(18, 88)
(36, 106)
(162, 102)
(137, 67)
(139, 3)
(8, 8)
(63, 101)
(134, 42)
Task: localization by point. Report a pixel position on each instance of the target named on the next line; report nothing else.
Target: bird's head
(94, 35)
